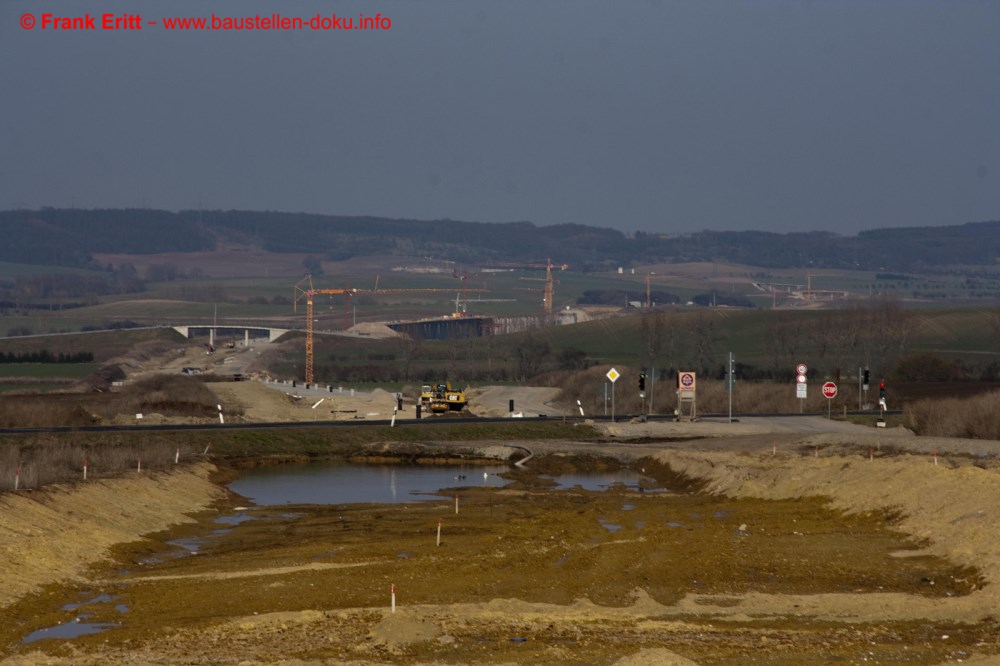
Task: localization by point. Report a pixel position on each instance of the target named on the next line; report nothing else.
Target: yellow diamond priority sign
(613, 375)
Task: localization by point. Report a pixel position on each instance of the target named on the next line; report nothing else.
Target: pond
(350, 483)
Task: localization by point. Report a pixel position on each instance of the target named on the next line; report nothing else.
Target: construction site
(458, 324)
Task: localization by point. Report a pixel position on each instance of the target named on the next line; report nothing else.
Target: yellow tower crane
(305, 290)
(548, 292)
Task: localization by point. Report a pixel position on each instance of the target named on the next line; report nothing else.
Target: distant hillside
(70, 237)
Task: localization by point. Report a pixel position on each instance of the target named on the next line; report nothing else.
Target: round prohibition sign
(830, 390)
(800, 369)
(687, 379)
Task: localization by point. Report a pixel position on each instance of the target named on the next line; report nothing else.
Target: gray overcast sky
(667, 116)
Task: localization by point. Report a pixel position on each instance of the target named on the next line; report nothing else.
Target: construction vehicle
(442, 398)
(426, 395)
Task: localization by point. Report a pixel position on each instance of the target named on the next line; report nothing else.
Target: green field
(46, 370)
(765, 342)
(41, 377)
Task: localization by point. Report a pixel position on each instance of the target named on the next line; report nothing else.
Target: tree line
(70, 237)
(45, 356)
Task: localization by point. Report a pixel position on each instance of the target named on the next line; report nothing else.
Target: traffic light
(642, 381)
(881, 389)
(867, 376)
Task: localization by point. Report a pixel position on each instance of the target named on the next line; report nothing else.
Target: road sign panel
(687, 381)
(800, 391)
(801, 369)
(613, 375)
(829, 390)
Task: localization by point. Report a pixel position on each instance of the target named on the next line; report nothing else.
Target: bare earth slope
(953, 504)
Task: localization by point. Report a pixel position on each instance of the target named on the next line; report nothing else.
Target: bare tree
(531, 354)
(705, 342)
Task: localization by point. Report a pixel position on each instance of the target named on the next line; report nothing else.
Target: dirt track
(262, 605)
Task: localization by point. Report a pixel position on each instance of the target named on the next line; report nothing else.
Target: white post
(84, 469)
(730, 377)
(393, 597)
(221, 420)
(439, 532)
(652, 383)
(860, 381)
(392, 424)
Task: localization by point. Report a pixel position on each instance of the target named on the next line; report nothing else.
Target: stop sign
(829, 390)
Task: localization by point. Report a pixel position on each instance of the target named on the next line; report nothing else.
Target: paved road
(794, 424)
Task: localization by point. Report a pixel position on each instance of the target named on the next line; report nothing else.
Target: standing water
(349, 483)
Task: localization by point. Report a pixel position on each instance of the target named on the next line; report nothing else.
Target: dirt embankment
(56, 534)
(950, 503)
(522, 563)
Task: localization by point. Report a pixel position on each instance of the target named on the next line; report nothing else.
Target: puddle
(190, 544)
(99, 599)
(184, 547)
(674, 523)
(599, 481)
(235, 519)
(611, 527)
(628, 507)
(68, 630)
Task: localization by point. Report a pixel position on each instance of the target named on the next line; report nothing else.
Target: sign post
(613, 375)
(829, 392)
(687, 383)
(800, 385)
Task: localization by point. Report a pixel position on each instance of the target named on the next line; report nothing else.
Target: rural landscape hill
(72, 237)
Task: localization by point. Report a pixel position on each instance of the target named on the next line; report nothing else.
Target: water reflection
(348, 483)
(598, 481)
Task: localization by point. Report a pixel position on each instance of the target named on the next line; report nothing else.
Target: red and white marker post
(393, 597)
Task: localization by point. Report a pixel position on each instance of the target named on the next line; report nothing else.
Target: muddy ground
(770, 548)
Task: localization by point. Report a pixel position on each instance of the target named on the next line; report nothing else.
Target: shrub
(974, 417)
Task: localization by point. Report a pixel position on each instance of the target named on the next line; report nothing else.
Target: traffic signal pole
(642, 390)
(860, 382)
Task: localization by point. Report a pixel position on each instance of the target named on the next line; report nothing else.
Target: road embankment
(57, 533)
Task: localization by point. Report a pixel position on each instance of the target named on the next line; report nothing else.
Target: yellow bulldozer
(442, 398)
